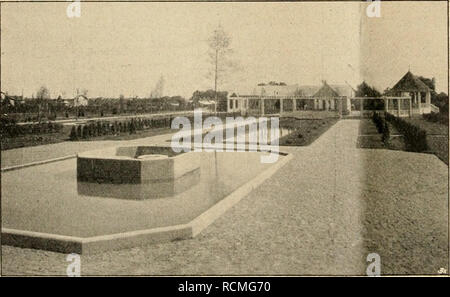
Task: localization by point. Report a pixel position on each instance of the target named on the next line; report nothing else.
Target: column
(386, 105)
(294, 104)
(262, 106)
(410, 107)
(362, 107)
(428, 100)
(419, 102)
(398, 106)
(281, 106)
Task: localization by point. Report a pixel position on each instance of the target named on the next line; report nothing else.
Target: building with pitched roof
(411, 86)
(279, 98)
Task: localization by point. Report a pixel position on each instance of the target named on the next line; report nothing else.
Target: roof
(410, 83)
(275, 90)
(326, 91)
(206, 102)
(81, 96)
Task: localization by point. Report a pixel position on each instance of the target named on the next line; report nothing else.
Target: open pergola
(257, 104)
(396, 102)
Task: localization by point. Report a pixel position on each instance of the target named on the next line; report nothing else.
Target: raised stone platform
(134, 165)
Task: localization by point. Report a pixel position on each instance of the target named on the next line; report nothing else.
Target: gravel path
(322, 213)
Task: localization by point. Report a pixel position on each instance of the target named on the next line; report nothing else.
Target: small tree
(386, 134)
(42, 95)
(99, 129)
(132, 127)
(85, 132)
(79, 133)
(73, 134)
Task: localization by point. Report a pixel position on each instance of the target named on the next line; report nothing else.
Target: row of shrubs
(382, 127)
(10, 128)
(434, 117)
(415, 137)
(100, 128)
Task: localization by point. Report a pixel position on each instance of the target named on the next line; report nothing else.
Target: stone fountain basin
(134, 165)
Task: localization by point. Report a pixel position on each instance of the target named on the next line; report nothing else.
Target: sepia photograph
(254, 139)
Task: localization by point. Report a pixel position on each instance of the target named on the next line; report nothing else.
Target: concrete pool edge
(36, 163)
(130, 239)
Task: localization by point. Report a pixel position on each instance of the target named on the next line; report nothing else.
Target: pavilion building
(411, 86)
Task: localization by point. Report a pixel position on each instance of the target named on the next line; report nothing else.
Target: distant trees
(430, 82)
(211, 94)
(364, 90)
(42, 95)
(438, 99)
(272, 83)
(441, 101)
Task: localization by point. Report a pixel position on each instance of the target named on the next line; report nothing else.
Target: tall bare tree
(159, 88)
(220, 57)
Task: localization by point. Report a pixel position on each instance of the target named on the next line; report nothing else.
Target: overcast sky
(123, 48)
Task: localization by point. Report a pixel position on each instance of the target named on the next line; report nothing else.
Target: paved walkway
(322, 213)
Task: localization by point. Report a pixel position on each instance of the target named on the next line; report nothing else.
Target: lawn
(430, 127)
(437, 137)
(305, 130)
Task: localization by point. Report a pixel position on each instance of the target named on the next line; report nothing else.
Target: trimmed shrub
(415, 137)
(386, 134)
(79, 133)
(73, 134)
(132, 127)
(379, 122)
(99, 129)
(84, 132)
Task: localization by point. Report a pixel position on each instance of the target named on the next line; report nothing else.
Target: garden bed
(369, 137)
(304, 132)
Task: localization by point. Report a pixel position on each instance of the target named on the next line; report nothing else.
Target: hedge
(10, 128)
(102, 127)
(415, 137)
(382, 127)
(99, 128)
